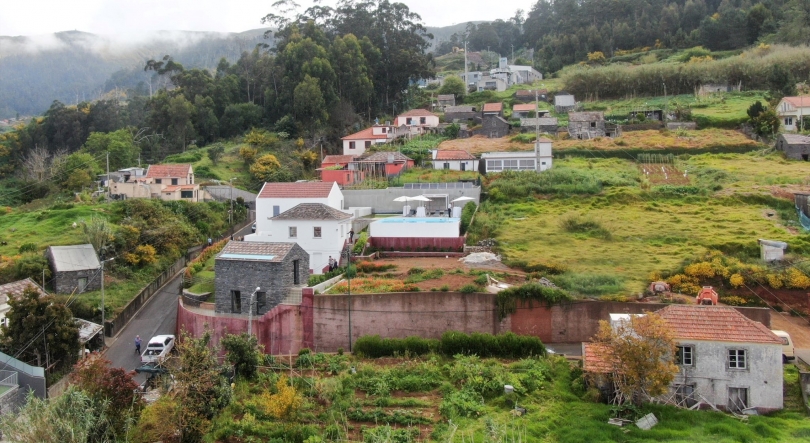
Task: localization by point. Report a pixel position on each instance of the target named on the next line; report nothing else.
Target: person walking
(138, 344)
(210, 242)
(351, 236)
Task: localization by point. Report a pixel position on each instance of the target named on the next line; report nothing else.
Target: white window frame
(737, 359)
(687, 355)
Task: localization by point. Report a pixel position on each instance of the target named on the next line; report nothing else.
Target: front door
(463, 166)
(737, 399)
(296, 272)
(82, 284)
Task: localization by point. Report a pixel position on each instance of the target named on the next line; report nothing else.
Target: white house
(357, 143)
(167, 182)
(538, 160)
(730, 360)
(418, 118)
(792, 109)
(723, 358)
(14, 289)
(321, 230)
(275, 198)
(524, 74)
(492, 83)
(455, 160)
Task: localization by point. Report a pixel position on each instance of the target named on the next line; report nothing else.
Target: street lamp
(230, 215)
(349, 286)
(250, 310)
(103, 326)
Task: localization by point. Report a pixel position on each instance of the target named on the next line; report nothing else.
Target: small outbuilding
(241, 267)
(74, 267)
(564, 102)
(586, 125)
(463, 112)
(794, 146)
(494, 126)
(772, 250)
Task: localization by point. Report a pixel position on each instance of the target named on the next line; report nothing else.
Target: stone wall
(399, 315)
(66, 281)
(274, 278)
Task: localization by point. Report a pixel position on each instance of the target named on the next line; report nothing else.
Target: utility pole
(250, 310)
(103, 326)
(466, 73)
(513, 53)
(349, 283)
(108, 174)
(666, 105)
(230, 215)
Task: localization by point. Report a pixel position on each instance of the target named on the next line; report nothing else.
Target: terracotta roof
(493, 107)
(365, 134)
(165, 171)
(253, 250)
(338, 159)
(296, 190)
(715, 323)
(382, 157)
(170, 188)
(597, 358)
(449, 154)
(16, 288)
(796, 139)
(312, 211)
(798, 101)
(418, 112)
(526, 107)
(586, 116)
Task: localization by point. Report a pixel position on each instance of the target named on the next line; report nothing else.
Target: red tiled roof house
(335, 168)
(418, 119)
(791, 109)
(723, 357)
(454, 160)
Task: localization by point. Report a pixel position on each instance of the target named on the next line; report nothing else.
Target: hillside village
(503, 253)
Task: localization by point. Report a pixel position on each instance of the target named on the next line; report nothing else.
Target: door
(296, 272)
(463, 166)
(82, 284)
(737, 399)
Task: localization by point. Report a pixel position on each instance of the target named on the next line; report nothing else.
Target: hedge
(506, 300)
(452, 343)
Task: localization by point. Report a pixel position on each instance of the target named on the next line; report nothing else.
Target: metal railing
(8, 379)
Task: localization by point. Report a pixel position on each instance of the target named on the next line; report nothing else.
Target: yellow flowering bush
(284, 402)
(699, 270)
(736, 280)
(797, 279)
(775, 281)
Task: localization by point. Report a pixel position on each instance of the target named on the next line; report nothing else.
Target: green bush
(28, 247)
(468, 289)
(506, 300)
(507, 345)
(417, 277)
(467, 215)
(590, 284)
(462, 403)
(360, 243)
(575, 223)
(205, 172)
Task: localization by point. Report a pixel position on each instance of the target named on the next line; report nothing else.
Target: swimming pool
(419, 220)
(416, 227)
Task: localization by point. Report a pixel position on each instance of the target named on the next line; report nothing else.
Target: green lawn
(204, 280)
(642, 231)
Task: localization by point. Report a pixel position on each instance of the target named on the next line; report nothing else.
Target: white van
(787, 345)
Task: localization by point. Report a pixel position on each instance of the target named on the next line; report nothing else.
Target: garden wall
(399, 315)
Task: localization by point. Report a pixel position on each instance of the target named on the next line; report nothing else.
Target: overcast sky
(133, 17)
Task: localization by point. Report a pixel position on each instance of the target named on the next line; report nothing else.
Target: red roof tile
(449, 154)
(417, 113)
(524, 108)
(166, 171)
(493, 107)
(365, 134)
(296, 190)
(597, 358)
(715, 323)
(337, 159)
(798, 101)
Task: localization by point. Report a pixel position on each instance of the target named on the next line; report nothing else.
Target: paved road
(804, 354)
(158, 316)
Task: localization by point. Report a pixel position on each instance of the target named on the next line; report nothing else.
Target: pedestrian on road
(138, 344)
(209, 241)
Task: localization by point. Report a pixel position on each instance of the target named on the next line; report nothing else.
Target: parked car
(787, 345)
(158, 348)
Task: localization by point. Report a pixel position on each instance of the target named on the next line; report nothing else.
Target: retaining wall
(417, 243)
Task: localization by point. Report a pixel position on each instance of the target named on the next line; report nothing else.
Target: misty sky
(134, 17)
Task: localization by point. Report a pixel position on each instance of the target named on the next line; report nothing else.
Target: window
(788, 121)
(236, 302)
(293, 232)
(296, 272)
(408, 121)
(446, 165)
(186, 194)
(316, 232)
(158, 181)
(684, 355)
(593, 124)
(368, 144)
(261, 301)
(174, 181)
(528, 164)
(736, 359)
(276, 210)
(4, 321)
(351, 145)
(422, 120)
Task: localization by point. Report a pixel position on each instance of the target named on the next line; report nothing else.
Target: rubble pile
(481, 258)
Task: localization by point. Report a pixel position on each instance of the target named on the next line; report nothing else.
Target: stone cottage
(274, 268)
(493, 126)
(74, 267)
(586, 125)
(794, 146)
(544, 124)
(460, 113)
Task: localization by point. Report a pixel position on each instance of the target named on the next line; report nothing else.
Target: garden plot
(663, 174)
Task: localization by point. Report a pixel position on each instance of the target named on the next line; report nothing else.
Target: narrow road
(157, 316)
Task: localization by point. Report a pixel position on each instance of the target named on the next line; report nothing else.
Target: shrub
(590, 284)
(424, 275)
(462, 403)
(28, 247)
(733, 300)
(577, 224)
(507, 345)
(368, 267)
(467, 215)
(468, 289)
(360, 243)
(481, 280)
(506, 300)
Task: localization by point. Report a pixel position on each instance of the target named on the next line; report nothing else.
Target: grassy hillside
(607, 226)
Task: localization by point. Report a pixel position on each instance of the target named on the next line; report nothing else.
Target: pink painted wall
(280, 331)
(414, 243)
(399, 315)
